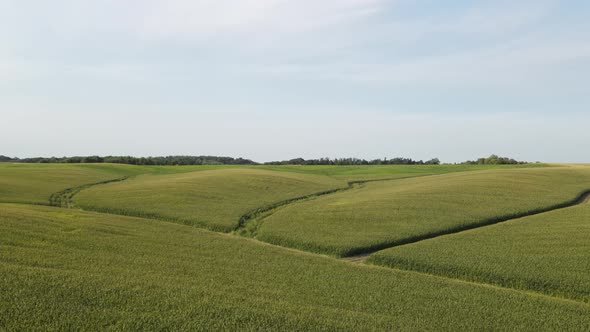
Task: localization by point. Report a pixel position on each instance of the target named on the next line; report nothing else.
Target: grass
(214, 199)
(72, 270)
(35, 183)
(382, 214)
(548, 253)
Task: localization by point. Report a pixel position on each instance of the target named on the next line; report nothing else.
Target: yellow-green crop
(71, 270)
(214, 199)
(35, 183)
(548, 253)
(383, 214)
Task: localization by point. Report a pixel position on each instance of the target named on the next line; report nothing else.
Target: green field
(69, 270)
(548, 253)
(376, 172)
(217, 199)
(137, 261)
(26, 183)
(35, 183)
(386, 213)
(214, 199)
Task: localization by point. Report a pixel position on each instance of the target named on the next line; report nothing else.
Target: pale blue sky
(277, 79)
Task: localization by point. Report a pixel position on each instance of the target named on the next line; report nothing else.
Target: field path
(358, 259)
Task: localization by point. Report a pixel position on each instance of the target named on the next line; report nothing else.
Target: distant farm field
(35, 183)
(376, 172)
(355, 248)
(386, 213)
(214, 199)
(26, 183)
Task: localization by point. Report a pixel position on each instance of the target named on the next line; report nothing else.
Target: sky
(280, 79)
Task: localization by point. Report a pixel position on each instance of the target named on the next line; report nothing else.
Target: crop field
(71, 270)
(548, 253)
(387, 213)
(218, 199)
(377, 172)
(214, 199)
(35, 183)
(440, 247)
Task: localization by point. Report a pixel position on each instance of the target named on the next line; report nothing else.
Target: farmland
(284, 165)
(22, 183)
(35, 183)
(65, 269)
(548, 253)
(387, 213)
(218, 198)
(261, 247)
(377, 172)
(214, 199)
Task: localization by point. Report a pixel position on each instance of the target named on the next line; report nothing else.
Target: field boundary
(360, 255)
(65, 198)
(584, 197)
(250, 222)
(247, 225)
(528, 292)
(480, 283)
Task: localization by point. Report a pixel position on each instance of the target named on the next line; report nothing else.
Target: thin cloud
(184, 18)
(295, 65)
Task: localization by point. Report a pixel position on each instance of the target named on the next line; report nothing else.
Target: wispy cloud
(506, 44)
(282, 56)
(201, 19)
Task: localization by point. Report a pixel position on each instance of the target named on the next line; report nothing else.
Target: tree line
(494, 160)
(216, 160)
(163, 161)
(355, 161)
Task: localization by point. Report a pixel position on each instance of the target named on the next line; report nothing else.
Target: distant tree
(355, 161)
(494, 160)
(92, 159)
(168, 160)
